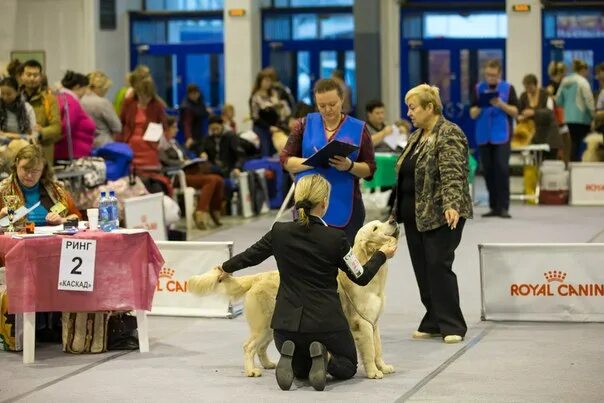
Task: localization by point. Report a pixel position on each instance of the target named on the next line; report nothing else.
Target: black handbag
(122, 333)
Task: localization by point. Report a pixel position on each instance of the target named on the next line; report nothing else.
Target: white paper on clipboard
(154, 132)
(395, 139)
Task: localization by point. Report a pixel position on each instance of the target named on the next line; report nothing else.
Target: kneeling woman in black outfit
(308, 321)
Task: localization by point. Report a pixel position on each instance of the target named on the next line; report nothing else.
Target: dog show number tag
(76, 269)
(353, 264)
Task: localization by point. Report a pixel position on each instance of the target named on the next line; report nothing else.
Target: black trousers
(343, 363)
(577, 133)
(496, 166)
(357, 219)
(432, 254)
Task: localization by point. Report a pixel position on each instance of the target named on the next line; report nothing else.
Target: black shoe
(504, 214)
(284, 371)
(318, 370)
(491, 213)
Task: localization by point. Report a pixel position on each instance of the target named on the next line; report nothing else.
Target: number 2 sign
(76, 269)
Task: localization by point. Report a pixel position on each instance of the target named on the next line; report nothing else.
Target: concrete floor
(201, 360)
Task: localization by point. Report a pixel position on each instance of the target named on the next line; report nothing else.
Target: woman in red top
(137, 113)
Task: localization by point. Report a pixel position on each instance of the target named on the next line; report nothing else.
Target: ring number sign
(76, 270)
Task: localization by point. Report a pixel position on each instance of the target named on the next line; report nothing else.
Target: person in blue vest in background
(346, 209)
(493, 117)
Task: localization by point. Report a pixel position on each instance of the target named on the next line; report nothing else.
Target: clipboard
(320, 159)
(484, 99)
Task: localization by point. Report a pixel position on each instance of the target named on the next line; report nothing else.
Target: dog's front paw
(386, 369)
(269, 365)
(255, 372)
(377, 374)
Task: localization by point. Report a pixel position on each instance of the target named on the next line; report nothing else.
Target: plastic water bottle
(114, 218)
(104, 212)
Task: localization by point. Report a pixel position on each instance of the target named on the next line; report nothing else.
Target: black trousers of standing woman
(578, 132)
(432, 254)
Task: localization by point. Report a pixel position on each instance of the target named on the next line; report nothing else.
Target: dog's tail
(233, 287)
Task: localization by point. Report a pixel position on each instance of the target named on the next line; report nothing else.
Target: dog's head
(373, 235)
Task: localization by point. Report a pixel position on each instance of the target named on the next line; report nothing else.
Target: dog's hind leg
(249, 351)
(362, 332)
(263, 344)
(379, 360)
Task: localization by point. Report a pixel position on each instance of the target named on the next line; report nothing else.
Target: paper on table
(19, 213)
(395, 139)
(23, 236)
(48, 229)
(154, 132)
(129, 231)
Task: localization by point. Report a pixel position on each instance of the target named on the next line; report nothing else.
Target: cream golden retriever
(362, 305)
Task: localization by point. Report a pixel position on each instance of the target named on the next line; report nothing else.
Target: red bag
(559, 114)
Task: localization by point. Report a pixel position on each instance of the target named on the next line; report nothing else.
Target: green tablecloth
(385, 173)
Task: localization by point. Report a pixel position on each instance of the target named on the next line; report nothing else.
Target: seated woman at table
(31, 180)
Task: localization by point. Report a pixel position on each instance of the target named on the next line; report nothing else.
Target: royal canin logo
(556, 287)
(166, 283)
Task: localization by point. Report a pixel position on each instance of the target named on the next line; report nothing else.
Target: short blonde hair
(426, 94)
(99, 80)
(310, 191)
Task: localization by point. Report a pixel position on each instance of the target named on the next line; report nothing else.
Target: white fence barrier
(587, 183)
(183, 260)
(542, 282)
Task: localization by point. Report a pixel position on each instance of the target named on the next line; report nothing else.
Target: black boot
(318, 370)
(284, 371)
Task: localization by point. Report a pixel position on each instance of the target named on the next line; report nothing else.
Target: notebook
(320, 159)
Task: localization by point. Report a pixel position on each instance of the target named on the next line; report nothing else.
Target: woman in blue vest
(346, 210)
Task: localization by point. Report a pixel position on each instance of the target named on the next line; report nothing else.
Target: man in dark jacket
(221, 148)
(193, 113)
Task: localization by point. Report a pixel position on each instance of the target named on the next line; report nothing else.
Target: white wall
(8, 13)
(59, 28)
(69, 32)
(523, 46)
(241, 55)
(112, 47)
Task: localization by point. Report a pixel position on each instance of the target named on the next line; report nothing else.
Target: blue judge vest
(492, 125)
(342, 183)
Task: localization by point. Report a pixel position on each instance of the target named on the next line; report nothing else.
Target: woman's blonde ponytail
(310, 191)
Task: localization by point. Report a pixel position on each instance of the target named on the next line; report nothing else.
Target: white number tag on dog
(353, 264)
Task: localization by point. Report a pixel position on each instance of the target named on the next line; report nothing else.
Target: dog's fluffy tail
(233, 287)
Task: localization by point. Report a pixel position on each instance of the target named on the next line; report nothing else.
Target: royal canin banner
(183, 260)
(542, 282)
(587, 183)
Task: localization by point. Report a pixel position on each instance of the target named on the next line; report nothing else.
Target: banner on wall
(183, 260)
(542, 282)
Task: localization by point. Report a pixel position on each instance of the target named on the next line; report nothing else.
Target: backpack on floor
(85, 332)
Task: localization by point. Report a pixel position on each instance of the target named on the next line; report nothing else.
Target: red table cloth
(126, 271)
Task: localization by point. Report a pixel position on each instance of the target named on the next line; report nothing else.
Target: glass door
(180, 49)
(454, 66)
(306, 46)
(571, 35)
